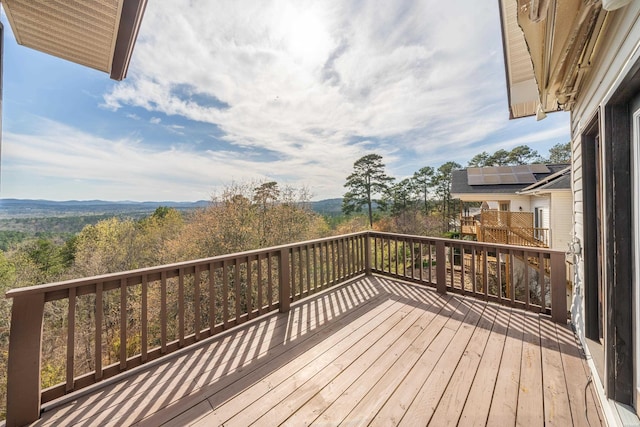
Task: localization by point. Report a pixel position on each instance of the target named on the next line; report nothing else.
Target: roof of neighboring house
(560, 180)
(96, 34)
(460, 182)
(548, 47)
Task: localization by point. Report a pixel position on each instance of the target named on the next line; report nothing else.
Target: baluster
(525, 259)
(270, 282)
(123, 324)
(181, 307)
(212, 298)
(71, 333)
(238, 290)
(541, 274)
(196, 301)
(323, 267)
(308, 265)
(249, 290)
(225, 294)
(260, 285)
(163, 312)
(144, 319)
(98, 339)
(462, 271)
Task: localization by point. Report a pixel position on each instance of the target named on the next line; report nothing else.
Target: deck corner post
(558, 288)
(441, 267)
(23, 370)
(284, 286)
(367, 254)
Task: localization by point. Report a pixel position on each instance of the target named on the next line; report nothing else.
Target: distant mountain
(328, 206)
(25, 208)
(15, 208)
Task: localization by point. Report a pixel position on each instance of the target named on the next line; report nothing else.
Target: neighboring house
(526, 205)
(583, 56)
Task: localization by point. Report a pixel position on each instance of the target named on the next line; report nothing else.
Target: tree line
(424, 197)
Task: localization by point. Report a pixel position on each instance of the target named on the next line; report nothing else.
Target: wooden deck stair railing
(177, 305)
(535, 237)
(511, 228)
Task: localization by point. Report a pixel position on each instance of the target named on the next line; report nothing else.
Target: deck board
(504, 404)
(530, 395)
(371, 352)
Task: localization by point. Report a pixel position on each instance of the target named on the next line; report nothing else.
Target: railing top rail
(75, 283)
(470, 243)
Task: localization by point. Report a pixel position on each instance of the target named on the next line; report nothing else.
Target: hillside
(24, 208)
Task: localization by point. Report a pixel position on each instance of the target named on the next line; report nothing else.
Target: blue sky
(293, 91)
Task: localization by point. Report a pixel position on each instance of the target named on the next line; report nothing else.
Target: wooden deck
(372, 352)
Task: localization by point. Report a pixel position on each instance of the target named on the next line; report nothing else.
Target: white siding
(541, 202)
(618, 52)
(561, 220)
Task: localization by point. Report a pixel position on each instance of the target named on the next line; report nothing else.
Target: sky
(292, 91)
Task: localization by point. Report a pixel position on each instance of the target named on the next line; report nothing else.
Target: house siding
(561, 220)
(618, 53)
(619, 50)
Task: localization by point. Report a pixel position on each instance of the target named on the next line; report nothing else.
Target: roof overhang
(548, 45)
(481, 197)
(98, 34)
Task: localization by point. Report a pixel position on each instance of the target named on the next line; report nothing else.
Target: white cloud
(93, 167)
(315, 84)
(304, 78)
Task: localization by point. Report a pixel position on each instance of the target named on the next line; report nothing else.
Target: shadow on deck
(373, 351)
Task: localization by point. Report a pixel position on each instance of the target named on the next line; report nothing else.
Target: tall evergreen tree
(560, 153)
(423, 181)
(366, 182)
(442, 182)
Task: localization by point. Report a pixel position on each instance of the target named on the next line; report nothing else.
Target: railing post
(23, 370)
(441, 267)
(558, 288)
(284, 286)
(367, 254)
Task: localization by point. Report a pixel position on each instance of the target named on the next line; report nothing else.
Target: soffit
(521, 81)
(81, 32)
(560, 38)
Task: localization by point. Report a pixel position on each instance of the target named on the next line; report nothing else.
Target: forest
(244, 216)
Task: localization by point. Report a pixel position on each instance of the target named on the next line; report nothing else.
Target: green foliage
(367, 181)
(423, 182)
(520, 155)
(10, 238)
(560, 153)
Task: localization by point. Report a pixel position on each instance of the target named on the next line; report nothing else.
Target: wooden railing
(522, 277)
(536, 237)
(133, 317)
(509, 228)
(468, 225)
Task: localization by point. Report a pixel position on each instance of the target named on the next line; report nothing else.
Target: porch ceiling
(547, 47)
(98, 34)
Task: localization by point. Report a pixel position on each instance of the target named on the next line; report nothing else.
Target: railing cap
(73, 283)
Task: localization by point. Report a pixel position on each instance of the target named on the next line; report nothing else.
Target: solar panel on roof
(474, 176)
(539, 168)
(508, 179)
(519, 174)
